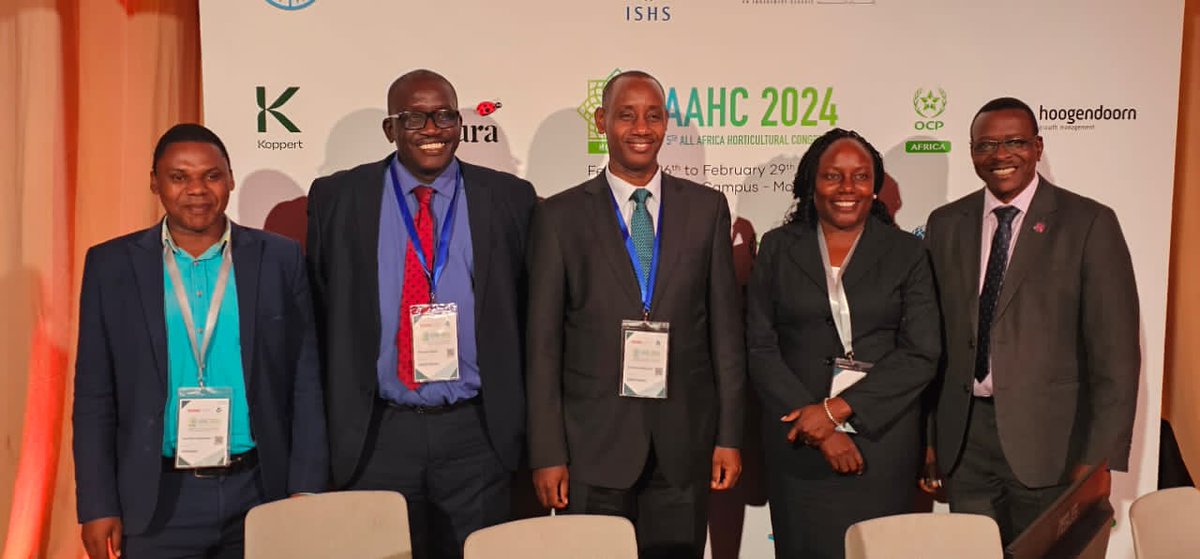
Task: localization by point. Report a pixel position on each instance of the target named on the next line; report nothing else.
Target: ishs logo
(291, 5)
(263, 108)
(587, 110)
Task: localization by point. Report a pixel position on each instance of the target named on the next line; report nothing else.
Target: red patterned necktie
(416, 285)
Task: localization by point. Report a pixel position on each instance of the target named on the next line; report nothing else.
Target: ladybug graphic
(485, 108)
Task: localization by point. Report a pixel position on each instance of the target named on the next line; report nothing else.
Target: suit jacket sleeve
(899, 377)
(544, 344)
(725, 334)
(315, 253)
(309, 468)
(1110, 338)
(778, 387)
(95, 418)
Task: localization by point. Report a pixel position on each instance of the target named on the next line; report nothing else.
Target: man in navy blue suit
(197, 384)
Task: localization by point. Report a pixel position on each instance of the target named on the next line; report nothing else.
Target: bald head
(404, 85)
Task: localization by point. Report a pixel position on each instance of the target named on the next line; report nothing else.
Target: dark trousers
(445, 467)
(197, 517)
(983, 483)
(670, 520)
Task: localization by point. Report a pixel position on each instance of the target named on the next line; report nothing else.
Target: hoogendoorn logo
(587, 110)
(273, 108)
(291, 5)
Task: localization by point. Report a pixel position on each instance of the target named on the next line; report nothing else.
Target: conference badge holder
(846, 373)
(435, 342)
(202, 439)
(644, 347)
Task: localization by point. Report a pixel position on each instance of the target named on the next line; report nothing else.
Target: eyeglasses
(990, 146)
(415, 120)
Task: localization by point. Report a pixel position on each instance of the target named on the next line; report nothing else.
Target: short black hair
(187, 132)
(805, 183)
(418, 74)
(606, 95)
(1005, 104)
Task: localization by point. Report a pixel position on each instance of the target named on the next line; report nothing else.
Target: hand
(551, 486)
(99, 534)
(811, 423)
(931, 481)
(726, 468)
(842, 454)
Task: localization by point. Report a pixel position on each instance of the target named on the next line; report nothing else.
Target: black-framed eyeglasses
(415, 120)
(990, 146)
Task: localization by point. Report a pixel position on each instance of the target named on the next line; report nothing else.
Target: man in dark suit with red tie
(417, 267)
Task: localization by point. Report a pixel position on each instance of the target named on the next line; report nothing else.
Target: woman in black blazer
(882, 320)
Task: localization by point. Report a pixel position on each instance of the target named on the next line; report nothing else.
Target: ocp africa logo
(587, 110)
(929, 104)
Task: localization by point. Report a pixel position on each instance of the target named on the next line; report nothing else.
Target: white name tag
(847, 373)
(644, 358)
(202, 439)
(435, 342)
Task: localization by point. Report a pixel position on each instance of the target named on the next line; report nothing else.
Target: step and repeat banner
(296, 88)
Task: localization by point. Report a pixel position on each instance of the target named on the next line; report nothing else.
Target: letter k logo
(280, 101)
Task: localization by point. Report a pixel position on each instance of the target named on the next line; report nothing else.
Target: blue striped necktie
(641, 230)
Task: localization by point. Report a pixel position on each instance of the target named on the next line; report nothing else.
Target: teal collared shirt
(223, 363)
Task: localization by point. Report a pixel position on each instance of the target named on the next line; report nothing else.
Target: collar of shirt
(443, 185)
(624, 191)
(211, 252)
(1021, 202)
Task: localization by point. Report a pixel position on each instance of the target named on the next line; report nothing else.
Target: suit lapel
(366, 200)
(247, 261)
(480, 214)
(968, 233)
(146, 258)
(806, 253)
(675, 216)
(602, 221)
(1031, 244)
(871, 246)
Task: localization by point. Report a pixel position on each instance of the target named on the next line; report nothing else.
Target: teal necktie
(641, 230)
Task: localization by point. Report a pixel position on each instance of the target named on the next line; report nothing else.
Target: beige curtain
(1181, 379)
(87, 89)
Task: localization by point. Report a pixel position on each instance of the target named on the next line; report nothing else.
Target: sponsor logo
(587, 110)
(647, 11)
(777, 111)
(273, 108)
(1081, 118)
(929, 104)
(291, 5)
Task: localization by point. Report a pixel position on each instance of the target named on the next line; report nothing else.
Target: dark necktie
(641, 230)
(993, 279)
(416, 285)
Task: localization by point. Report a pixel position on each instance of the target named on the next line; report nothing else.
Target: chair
(578, 536)
(359, 524)
(925, 536)
(1165, 524)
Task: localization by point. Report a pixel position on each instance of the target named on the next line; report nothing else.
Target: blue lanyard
(441, 244)
(646, 285)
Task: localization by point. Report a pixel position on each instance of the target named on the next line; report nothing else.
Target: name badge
(847, 373)
(644, 359)
(202, 438)
(435, 342)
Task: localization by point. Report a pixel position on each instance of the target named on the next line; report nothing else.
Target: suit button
(971, 343)
(967, 388)
(828, 361)
(829, 320)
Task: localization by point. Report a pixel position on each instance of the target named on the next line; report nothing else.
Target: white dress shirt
(623, 191)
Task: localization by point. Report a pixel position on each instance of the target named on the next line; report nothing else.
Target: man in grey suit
(1040, 317)
(613, 307)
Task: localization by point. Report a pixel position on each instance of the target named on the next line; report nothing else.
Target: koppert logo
(587, 110)
(273, 108)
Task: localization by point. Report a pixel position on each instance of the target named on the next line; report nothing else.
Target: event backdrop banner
(297, 90)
